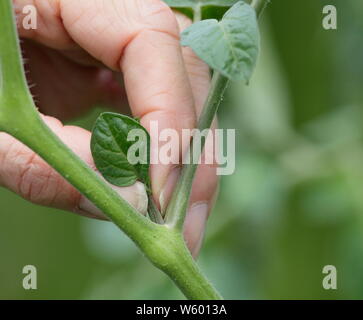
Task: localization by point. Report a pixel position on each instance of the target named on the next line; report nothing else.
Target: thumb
(26, 174)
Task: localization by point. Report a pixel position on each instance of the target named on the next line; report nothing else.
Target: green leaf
(230, 46)
(115, 138)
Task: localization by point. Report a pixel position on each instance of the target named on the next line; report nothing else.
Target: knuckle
(35, 181)
(49, 27)
(25, 173)
(28, 175)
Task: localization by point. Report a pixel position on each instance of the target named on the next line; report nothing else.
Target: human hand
(74, 57)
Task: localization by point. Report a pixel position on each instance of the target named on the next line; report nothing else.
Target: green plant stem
(178, 205)
(163, 246)
(259, 5)
(197, 13)
(8, 61)
(177, 208)
(20, 118)
(170, 254)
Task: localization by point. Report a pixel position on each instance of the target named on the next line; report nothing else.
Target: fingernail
(135, 195)
(194, 227)
(168, 188)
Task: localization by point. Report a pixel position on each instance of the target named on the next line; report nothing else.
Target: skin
(76, 57)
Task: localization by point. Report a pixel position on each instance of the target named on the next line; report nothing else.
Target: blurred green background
(294, 204)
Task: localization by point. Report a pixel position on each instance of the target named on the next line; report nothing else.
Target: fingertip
(167, 190)
(194, 226)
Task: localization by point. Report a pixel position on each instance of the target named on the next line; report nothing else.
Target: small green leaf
(121, 149)
(230, 46)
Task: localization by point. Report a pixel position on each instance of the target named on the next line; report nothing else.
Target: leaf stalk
(178, 205)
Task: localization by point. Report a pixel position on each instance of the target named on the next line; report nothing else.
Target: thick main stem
(170, 254)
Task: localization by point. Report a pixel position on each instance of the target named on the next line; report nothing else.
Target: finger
(205, 186)
(203, 197)
(66, 81)
(25, 173)
(139, 37)
(198, 71)
(65, 89)
(163, 98)
(199, 78)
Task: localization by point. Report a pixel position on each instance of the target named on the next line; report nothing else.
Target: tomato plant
(229, 46)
